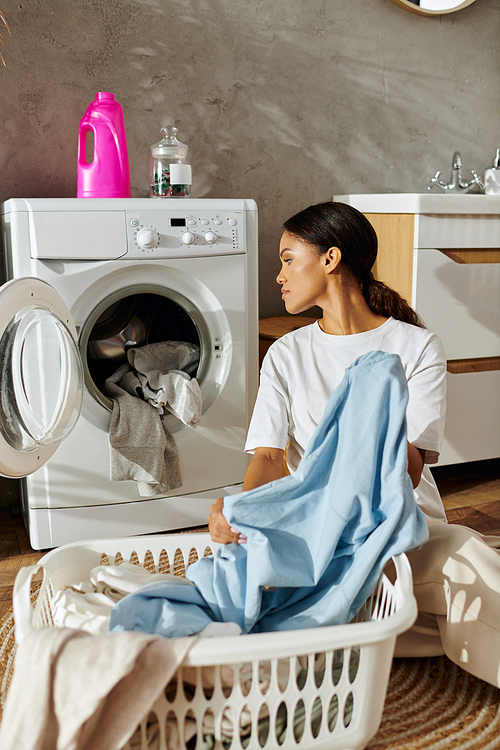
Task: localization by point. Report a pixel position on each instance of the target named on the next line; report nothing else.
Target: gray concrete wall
(283, 101)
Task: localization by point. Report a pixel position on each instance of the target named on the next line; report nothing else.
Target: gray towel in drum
(141, 446)
(163, 371)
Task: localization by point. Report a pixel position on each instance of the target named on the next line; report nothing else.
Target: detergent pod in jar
(169, 173)
(107, 175)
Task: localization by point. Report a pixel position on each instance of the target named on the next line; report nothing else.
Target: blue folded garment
(318, 538)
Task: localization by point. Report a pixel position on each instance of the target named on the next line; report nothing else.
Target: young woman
(327, 252)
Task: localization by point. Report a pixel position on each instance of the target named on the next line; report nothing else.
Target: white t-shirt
(302, 369)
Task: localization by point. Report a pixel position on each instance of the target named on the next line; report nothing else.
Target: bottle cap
(169, 145)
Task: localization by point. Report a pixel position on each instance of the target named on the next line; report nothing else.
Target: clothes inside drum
(135, 320)
(143, 354)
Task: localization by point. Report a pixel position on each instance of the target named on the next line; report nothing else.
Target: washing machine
(88, 278)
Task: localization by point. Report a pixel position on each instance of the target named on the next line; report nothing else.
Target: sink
(422, 203)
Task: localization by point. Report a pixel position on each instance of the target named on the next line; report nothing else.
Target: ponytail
(385, 301)
(327, 225)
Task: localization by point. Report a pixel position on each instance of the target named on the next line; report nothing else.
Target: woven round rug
(7, 651)
(8, 648)
(431, 703)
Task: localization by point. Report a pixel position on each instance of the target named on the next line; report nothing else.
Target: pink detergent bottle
(108, 174)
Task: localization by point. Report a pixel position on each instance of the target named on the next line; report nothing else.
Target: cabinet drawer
(472, 430)
(460, 302)
(472, 231)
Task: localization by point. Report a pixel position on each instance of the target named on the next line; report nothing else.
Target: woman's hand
(220, 530)
(265, 466)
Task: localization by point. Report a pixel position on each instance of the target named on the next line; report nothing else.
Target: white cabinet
(458, 301)
(462, 231)
(442, 253)
(472, 417)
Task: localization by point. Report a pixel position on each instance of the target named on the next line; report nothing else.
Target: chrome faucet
(456, 183)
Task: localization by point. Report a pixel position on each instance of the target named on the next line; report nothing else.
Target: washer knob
(210, 238)
(148, 238)
(188, 238)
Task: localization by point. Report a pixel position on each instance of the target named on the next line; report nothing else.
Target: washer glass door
(40, 374)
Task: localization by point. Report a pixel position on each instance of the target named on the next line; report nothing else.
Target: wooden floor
(470, 492)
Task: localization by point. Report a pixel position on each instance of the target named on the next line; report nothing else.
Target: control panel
(175, 234)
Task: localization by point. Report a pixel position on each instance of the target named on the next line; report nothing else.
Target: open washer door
(41, 375)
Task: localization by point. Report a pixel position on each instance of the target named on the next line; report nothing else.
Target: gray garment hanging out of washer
(157, 377)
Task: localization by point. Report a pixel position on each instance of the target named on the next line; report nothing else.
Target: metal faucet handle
(456, 183)
(477, 180)
(435, 181)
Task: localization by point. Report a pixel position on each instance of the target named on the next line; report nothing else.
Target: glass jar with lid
(169, 173)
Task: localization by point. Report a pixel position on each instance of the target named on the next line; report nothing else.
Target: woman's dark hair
(331, 224)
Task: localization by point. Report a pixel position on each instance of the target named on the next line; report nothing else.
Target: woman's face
(302, 277)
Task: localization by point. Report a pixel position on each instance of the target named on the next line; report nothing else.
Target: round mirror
(433, 7)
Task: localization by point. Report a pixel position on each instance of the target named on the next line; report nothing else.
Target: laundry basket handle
(21, 602)
(404, 580)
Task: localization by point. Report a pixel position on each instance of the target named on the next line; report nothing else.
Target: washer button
(188, 238)
(134, 222)
(191, 222)
(205, 222)
(217, 221)
(210, 238)
(232, 222)
(147, 238)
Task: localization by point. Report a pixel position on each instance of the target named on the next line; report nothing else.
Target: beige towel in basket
(74, 691)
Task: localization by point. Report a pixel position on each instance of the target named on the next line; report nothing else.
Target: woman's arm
(265, 466)
(425, 413)
(415, 464)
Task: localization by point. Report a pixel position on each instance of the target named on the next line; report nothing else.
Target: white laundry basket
(316, 688)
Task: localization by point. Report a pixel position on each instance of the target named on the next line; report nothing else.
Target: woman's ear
(332, 259)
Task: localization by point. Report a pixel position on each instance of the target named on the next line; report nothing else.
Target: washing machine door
(41, 375)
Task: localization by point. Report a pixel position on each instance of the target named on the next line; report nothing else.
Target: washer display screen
(177, 222)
